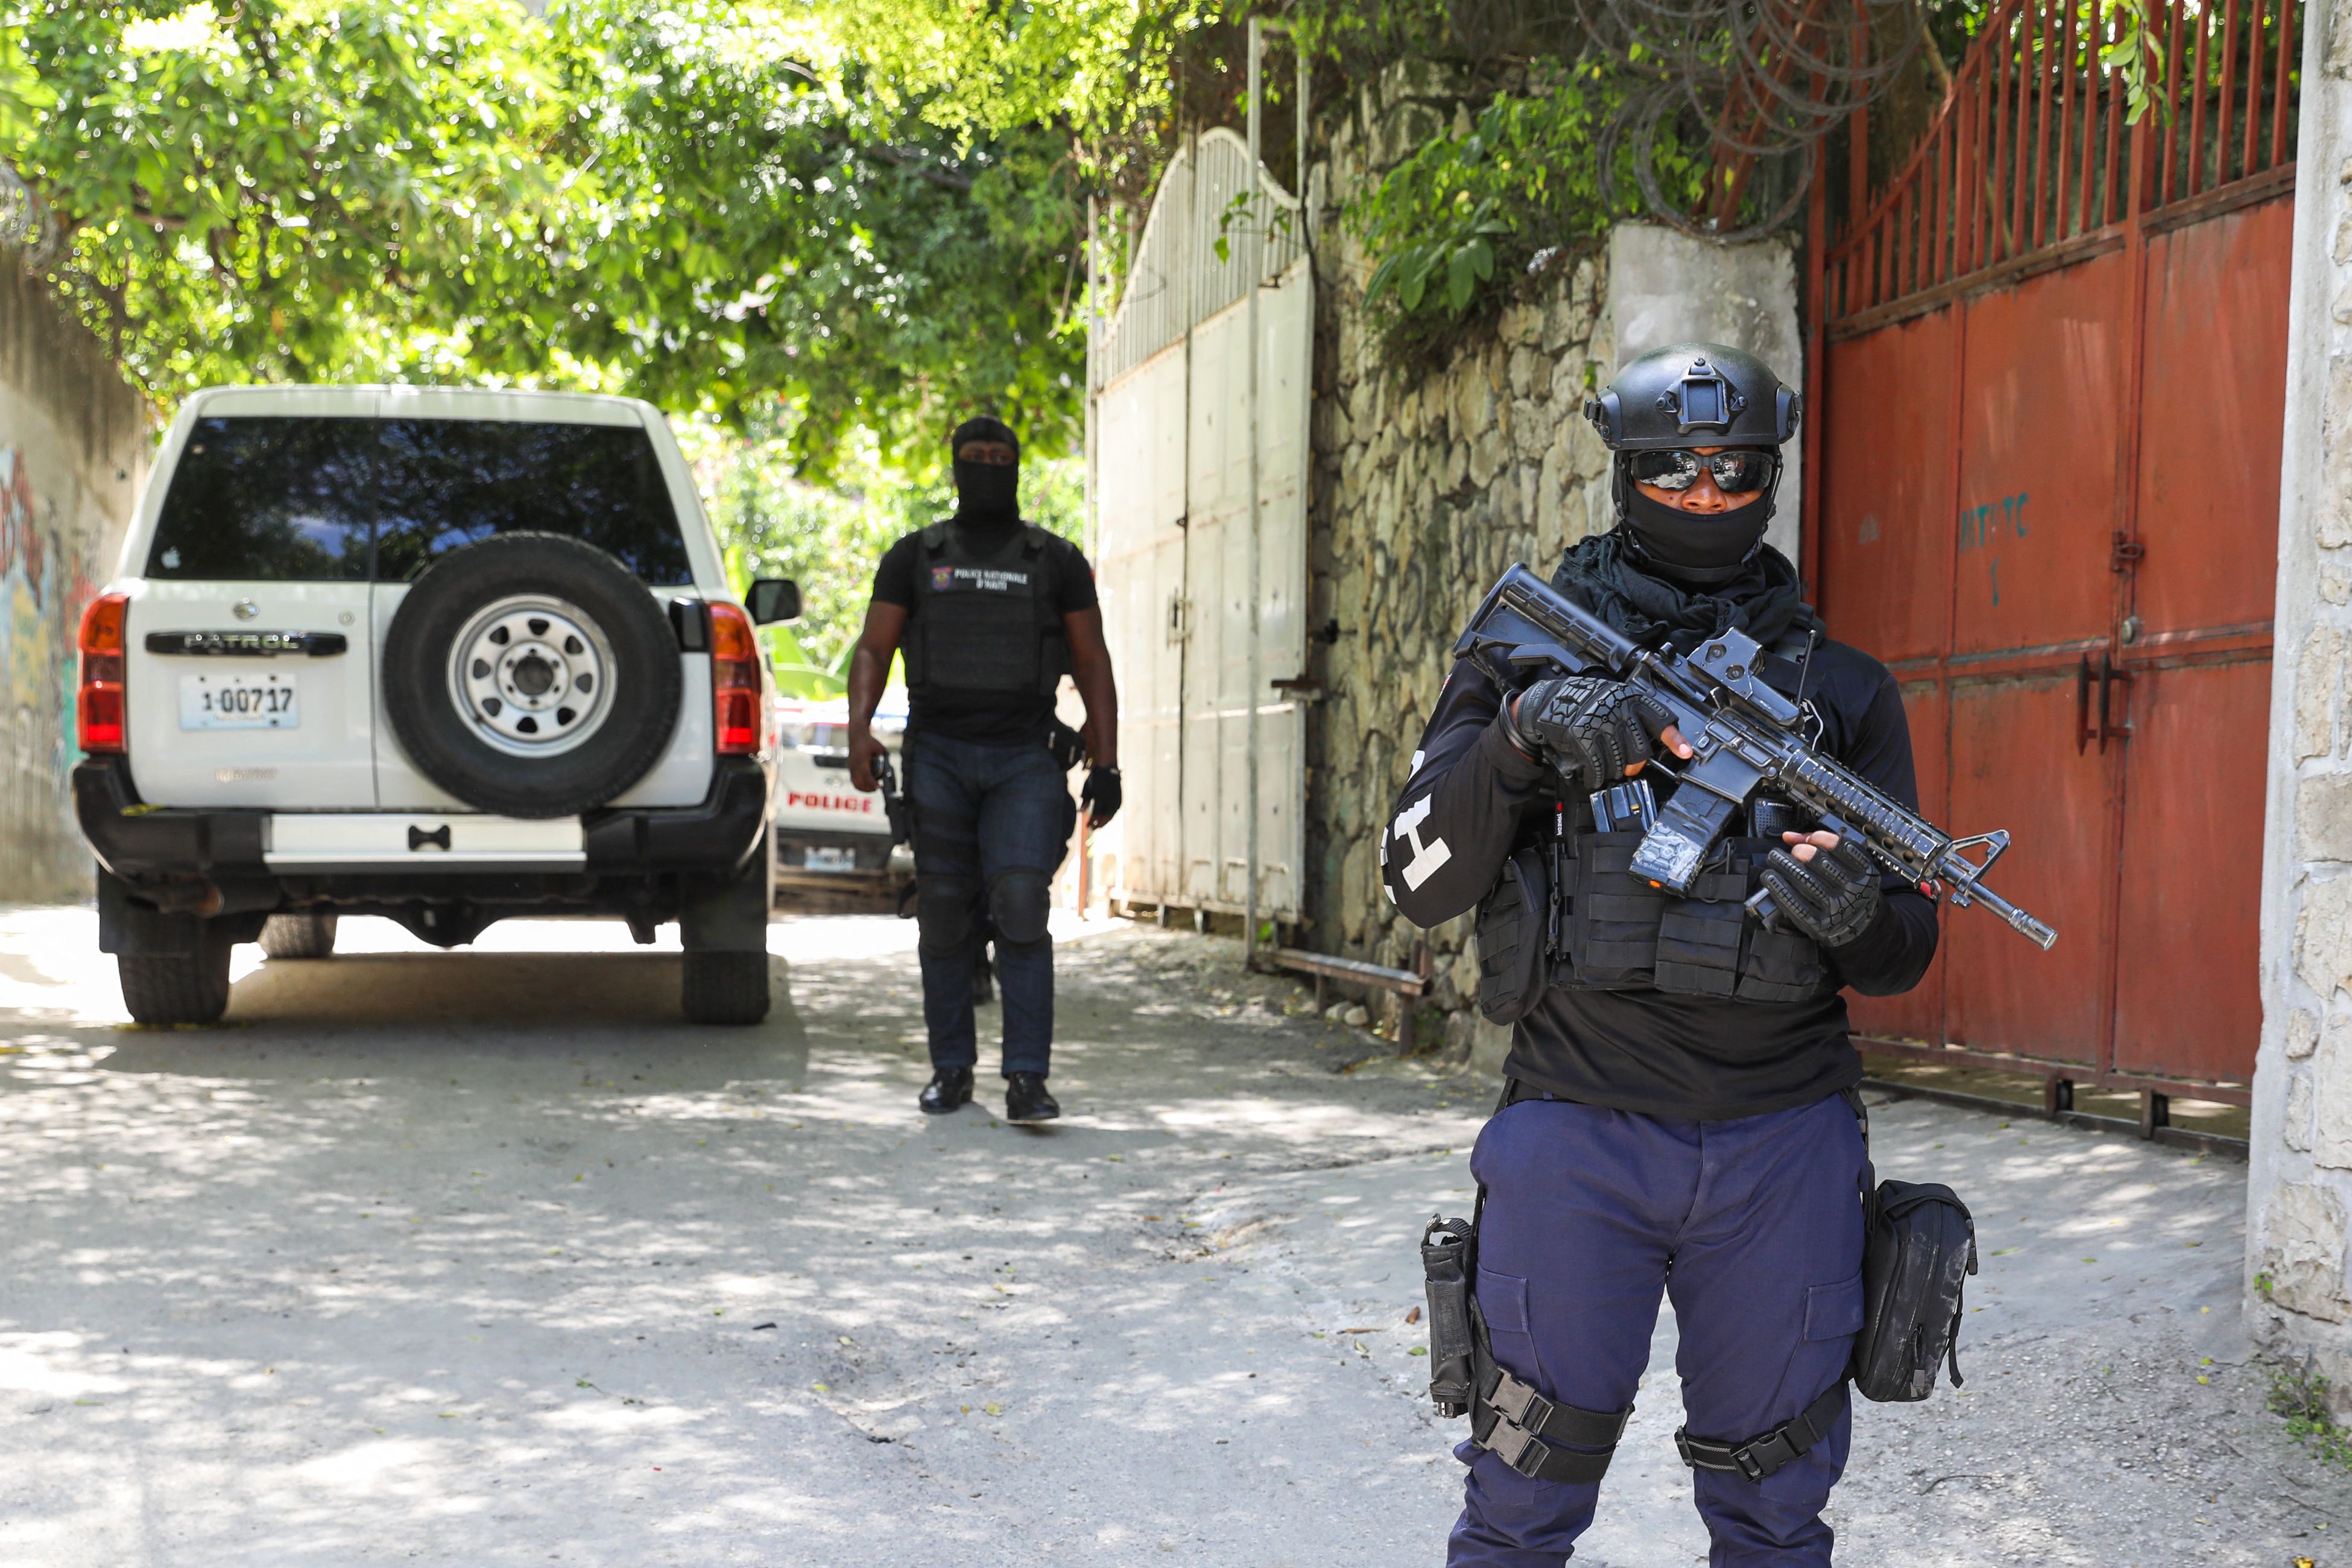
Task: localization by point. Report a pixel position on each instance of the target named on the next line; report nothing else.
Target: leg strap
(1509, 1418)
(1523, 1427)
(1759, 1456)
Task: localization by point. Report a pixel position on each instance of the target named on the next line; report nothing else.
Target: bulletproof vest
(1568, 911)
(984, 622)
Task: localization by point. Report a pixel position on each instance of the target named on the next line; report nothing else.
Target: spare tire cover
(532, 675)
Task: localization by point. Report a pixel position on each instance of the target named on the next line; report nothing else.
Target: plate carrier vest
(985, 623)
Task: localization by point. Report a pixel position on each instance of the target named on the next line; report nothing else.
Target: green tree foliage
(829, 539)
(291, 190)
(699, 201)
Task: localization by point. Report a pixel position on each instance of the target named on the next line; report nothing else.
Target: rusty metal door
(2052, 361)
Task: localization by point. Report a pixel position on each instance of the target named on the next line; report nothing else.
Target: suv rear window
(271, 500)
(321, 498)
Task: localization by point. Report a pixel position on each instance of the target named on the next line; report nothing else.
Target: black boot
(948, 1087)
(1027, 1100)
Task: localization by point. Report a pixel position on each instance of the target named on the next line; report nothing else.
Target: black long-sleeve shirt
(1660, 1054)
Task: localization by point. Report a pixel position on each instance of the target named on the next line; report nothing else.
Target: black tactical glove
(1591, 729)
(1832, 898)
(1101, 795)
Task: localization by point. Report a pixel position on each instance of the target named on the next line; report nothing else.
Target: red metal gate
(2050, 362)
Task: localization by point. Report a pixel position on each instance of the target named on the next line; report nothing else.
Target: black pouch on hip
(1919, 1245)
(1448, 1253)
(1513, 930)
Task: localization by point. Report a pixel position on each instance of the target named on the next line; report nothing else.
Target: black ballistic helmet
(1686, 396)
(1695, 395)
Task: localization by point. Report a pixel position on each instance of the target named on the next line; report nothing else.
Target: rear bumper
(150, 846)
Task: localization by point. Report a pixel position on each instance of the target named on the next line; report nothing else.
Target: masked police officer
(993, 612)
(1675, 1116)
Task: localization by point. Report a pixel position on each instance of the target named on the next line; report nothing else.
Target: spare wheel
(532, 675)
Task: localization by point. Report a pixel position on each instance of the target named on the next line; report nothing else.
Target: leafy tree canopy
(712, 205)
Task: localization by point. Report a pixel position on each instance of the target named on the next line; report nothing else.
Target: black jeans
(981, 810)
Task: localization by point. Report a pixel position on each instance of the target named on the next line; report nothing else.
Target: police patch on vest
(976, 580)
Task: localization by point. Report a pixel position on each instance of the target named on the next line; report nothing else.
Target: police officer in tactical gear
(1675, 1116)
(993, 612)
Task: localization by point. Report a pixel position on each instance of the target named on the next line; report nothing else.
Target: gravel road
(483, 1258)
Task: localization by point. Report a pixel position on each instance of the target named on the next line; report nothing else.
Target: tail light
(734, 681)
(101, 702)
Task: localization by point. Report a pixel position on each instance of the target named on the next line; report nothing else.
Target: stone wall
(2299, 1175)
(73, 453)
(1426, 489)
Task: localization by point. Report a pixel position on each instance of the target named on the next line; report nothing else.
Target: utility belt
(1919, 1247)
(1567, 911)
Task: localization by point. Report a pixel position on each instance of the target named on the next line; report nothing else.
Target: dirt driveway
(483, 1258)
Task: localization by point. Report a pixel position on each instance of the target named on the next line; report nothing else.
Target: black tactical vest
(984, 622)
(1568, 911)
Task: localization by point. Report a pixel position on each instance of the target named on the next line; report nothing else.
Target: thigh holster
(1538, 1437)
(1542, 1439)
(1759, 1456)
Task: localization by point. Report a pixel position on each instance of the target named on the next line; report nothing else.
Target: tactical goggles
(1739, 470)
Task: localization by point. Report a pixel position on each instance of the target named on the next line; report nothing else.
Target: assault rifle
(1743, 735)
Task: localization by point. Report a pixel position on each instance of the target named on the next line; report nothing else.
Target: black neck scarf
(987, 532)
(1611, 576)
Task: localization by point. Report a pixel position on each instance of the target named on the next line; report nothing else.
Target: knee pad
(1018, 904)
(944, 910)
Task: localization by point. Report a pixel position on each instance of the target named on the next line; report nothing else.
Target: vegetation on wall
(1466, 220)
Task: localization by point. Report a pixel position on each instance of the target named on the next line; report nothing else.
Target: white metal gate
(1207, 719)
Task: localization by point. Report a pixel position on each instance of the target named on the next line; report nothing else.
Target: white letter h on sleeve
(1426, 858)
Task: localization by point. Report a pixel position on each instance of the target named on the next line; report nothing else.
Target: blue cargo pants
(1753, 1225)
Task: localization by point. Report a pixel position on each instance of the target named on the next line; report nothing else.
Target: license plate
(823, 859)
(239, 702)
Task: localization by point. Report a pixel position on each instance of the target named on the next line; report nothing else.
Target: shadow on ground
(398, 1013)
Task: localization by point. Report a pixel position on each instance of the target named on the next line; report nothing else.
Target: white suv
(443, 655)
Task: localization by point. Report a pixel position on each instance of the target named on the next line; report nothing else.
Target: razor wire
(1767, 78)
(1761, 83)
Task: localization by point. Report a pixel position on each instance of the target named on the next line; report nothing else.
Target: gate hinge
(2128, 553)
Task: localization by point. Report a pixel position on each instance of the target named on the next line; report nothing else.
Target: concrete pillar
(1667, 287)
(2299, 1187)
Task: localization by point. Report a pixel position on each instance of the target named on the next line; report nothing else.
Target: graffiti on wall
(48, 574)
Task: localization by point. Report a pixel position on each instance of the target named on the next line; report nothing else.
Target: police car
(832, 841)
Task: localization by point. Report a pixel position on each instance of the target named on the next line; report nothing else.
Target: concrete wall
(73, 453)
(2300, 1177)
(1426, 489)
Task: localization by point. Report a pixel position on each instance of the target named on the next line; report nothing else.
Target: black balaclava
(986, 492)
(1700, 549)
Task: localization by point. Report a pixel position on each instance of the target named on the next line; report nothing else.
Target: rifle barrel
(2018, 920)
